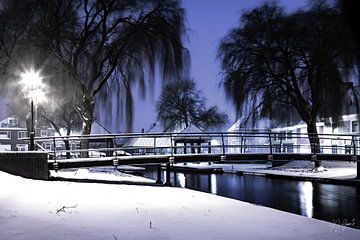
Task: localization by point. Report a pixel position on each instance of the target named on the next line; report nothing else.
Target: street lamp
(33, 88)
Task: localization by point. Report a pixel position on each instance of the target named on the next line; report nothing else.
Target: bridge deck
(187, 158)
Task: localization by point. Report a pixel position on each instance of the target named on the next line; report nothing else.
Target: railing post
(223, 156)
(223, 143)
(171, 160)
(241, 143)
(171, 144)
(116, 160)
(270, 144)
(353, 144)
(54, 148)
(154, 149)
(114, 143)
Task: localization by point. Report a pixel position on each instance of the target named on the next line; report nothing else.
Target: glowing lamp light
(34, 89)
(31, 80)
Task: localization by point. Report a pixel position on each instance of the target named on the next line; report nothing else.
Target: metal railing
(173, 144)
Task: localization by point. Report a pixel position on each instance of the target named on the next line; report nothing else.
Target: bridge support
(167, 181)
(158, 171)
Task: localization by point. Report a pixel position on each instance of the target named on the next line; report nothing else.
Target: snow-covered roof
(161, 141)
(262, 125)
(191, 129)
(148, 142)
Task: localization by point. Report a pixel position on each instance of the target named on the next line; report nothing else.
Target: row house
(14, 134)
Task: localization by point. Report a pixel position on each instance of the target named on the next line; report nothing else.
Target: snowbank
(332, 169)
(100, 173)
(31, 209)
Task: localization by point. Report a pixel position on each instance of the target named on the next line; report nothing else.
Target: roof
(148, 142)
(165, 141)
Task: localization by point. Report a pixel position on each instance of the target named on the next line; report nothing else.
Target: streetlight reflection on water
(34, 90)
(306, 198)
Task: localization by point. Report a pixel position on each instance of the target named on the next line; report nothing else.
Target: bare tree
(62, 116)
(181, 104)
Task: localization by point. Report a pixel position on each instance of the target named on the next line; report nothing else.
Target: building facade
(14, 134)
(339, 137)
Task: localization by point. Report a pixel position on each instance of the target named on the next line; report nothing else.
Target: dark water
(333, 203)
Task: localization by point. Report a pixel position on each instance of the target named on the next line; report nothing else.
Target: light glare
(33, 85)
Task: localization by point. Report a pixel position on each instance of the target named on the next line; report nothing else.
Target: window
(355, 126)
(47, 145)
(5, 134)
(43, 133)
(5, 147)
(12, 121)
(23, 134)
(344, 126)
(21, 147)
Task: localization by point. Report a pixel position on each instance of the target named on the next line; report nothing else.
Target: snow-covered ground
(334, 170)
(40, 210)
(101, 173)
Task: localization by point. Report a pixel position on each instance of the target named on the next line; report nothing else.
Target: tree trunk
(88, 117)
(314, 141)
(67, 144)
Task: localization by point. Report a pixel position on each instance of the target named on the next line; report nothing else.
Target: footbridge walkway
(169, 148)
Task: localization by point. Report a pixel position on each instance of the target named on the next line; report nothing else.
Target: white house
(341, 139)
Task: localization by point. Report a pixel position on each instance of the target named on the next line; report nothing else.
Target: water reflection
(181, 179)
(312, 199)
(306, 198)
(213, 184)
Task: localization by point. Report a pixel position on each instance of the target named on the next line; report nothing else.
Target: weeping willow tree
(300, 62)
(102, 42)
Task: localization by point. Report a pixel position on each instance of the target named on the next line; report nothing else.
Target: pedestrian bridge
(168, 148)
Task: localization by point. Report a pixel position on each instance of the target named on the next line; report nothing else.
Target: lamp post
(33, 88)
(32, 127)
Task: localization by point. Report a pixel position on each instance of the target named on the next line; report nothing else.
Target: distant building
(13, 134)
(282, 140)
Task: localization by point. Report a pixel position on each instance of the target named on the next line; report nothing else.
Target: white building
(341, 138)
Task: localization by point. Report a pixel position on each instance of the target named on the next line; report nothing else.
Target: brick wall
(26, 164)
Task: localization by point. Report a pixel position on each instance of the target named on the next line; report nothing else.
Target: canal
(334, 203)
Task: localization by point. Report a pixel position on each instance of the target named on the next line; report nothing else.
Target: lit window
(5, 134)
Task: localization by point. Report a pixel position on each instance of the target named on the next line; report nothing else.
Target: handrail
(195, 134)
(221, 142)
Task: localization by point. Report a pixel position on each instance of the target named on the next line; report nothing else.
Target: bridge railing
(114, 145)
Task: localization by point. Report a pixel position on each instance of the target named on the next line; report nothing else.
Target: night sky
(208, 22)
